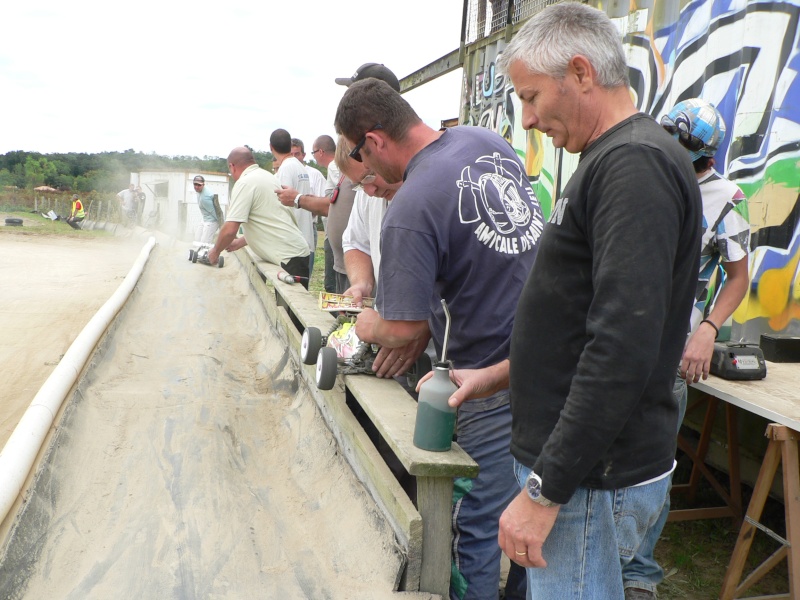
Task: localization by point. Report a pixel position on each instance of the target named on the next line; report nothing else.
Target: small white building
(170, 200)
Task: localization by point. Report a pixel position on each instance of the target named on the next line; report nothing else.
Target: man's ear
(583, 72)
(379, 141)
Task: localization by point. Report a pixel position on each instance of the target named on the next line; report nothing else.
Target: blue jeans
(595, 534)
(478, 503)
(643, 572)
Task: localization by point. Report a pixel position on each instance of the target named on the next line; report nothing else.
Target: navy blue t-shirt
(463, 227)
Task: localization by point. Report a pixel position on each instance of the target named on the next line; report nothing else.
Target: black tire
(310, 345)
(13, 222)
(220, 262)
(191, 255)
(326, 368)
(419, 369)
(194, 256)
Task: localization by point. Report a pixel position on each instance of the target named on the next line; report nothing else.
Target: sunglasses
(355, 153)
(681, 126)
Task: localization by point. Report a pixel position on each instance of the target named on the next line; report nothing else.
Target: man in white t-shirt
(292, 173)
(315, 176)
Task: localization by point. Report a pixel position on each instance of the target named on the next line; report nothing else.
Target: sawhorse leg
(732, 497)
(782, 448)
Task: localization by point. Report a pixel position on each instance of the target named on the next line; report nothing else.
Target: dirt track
(189, 465)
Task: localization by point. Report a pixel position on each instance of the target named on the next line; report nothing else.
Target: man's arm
(360, 273)
(316, 205)
(697, 354)
(475, 383)
(227, 235)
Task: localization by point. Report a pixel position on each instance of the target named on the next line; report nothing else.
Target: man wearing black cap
(451, 235)
(368, 70)
(204, 233)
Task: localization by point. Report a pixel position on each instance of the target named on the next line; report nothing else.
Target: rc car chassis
(340, 351)
(200, 254)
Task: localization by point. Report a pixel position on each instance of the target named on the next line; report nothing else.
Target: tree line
(106, 172)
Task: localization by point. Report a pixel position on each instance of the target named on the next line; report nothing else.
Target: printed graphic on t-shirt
(500, 200)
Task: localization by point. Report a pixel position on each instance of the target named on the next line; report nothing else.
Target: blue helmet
(697, 125)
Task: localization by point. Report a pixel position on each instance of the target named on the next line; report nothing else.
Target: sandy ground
(189, 464)
(49, 289)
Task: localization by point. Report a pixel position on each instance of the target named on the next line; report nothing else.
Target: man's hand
(391, 362)
(696, 360)
(524, 527)
(475, 383)
(358, 292)
(287, 195)
(213, 256)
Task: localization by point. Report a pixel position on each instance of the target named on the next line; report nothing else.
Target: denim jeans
(595, 534)
(643, 572)
(478, 503)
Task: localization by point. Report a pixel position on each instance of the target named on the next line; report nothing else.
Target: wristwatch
(533, 485)
(297, 200)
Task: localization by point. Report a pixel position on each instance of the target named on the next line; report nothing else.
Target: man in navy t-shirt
(463, 227)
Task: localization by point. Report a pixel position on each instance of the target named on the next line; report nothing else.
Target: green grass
(36, 224)
(695, 554)
(317, 283)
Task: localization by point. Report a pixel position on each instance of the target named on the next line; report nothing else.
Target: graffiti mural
(741, 55)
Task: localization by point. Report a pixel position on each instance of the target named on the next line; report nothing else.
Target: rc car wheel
(310, 345)
(419, 369)
(194, 257)
(13, 222)
(191, 254)
(220, 261)
(326, 368)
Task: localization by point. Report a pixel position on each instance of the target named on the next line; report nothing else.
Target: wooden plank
(776, 397)
(393, 412)
(434, 499)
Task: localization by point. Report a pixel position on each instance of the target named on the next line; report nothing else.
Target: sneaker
(634, 593)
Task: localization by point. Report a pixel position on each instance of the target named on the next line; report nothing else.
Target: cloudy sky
(199, 78)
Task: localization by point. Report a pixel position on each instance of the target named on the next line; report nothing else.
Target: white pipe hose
(21, 449)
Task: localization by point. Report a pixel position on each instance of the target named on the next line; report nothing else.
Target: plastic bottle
(436, 420)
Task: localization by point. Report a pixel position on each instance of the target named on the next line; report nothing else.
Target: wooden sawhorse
(732, 497)
(782, 448)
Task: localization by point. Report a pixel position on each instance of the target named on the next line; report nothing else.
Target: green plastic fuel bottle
(436, 420)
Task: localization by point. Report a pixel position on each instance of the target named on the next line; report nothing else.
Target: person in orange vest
(77, 215)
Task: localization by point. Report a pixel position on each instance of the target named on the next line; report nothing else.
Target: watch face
(534, 485)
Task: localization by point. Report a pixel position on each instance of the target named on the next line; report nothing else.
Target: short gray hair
(552, 37)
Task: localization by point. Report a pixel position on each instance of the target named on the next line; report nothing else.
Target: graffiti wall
(742, 56)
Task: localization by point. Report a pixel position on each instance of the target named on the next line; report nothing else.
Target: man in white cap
(204, 233)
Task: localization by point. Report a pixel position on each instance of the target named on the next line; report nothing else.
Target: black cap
(199, 178)
(371, 70)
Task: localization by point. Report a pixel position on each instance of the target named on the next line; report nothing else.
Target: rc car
(340, 350)
(200, 254)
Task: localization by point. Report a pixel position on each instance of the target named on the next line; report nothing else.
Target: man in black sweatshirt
(602, 320)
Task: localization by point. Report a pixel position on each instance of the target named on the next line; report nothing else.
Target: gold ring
(520, 553)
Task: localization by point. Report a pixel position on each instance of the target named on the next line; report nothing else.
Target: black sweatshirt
(602, 319)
